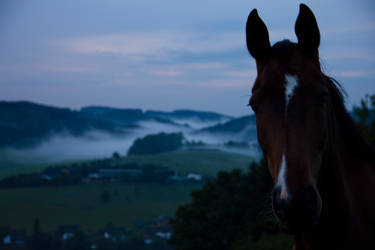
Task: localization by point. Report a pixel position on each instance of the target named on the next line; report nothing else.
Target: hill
(26, 124)
(243, 128)
(188, 114)
(127, 117)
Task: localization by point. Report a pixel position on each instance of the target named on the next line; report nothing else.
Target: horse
(323, 170)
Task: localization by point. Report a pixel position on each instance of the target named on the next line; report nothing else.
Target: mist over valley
(43, 134)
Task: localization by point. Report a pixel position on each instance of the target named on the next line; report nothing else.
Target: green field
(11, 166)
(82, 204)
(205, 162)
(130, 202)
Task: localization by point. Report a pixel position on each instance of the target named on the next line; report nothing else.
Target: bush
(226, 210)
(365, 118)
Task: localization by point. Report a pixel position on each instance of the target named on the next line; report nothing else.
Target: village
(147, 234)
(98, 172)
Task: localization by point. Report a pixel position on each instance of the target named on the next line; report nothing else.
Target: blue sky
(166, 54)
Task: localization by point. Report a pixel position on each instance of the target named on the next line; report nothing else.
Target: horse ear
(307, 31)
(257, 39)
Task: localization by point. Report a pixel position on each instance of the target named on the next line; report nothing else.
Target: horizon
(121, 108)
(166, 55)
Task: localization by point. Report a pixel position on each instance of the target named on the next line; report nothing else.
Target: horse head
(292, 103)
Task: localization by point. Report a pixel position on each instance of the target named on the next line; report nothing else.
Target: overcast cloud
(166, 54)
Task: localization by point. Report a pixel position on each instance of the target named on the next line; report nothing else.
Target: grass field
(11, 166)
(205, 162)
(82, 205)
(131, 202)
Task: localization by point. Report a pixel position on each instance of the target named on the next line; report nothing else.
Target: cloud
(143, 45)
(66, 68)
(352, 73)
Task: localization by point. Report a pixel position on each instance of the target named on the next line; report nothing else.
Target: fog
(97, 144)
(196, 123)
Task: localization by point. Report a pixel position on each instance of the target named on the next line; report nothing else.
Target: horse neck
(345, 166)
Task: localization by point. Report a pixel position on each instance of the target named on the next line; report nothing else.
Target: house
(163, 221)
(51, 173)
(16, 237)
(67, 231)
(148, 238)
(164, 234)
(93, 176)
(177, 177)
(114, 233)
(194, 177)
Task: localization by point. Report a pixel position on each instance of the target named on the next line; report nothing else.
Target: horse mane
(354, 143)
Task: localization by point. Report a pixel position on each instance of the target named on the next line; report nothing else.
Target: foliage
(116, 155)
(42, 241)
(156, 143)
(223, 209)
(25, 124)
(365, 114)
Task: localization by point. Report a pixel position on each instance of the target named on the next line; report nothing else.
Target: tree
(42, 241)
(365, 118)
(223, 210)
(156, 143)
(116, 155)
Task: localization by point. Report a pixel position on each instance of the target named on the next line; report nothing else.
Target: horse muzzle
(298, 213)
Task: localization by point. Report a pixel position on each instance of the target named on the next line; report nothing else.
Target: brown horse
(323, 170)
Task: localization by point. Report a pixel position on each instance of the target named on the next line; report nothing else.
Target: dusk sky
(166, 54)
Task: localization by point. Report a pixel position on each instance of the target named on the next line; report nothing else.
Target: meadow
(82, 204)
(130, 202)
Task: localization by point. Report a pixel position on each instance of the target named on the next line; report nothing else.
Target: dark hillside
(26, 123)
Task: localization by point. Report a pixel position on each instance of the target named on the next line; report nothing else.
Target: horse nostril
(308, 195)
(279, 205)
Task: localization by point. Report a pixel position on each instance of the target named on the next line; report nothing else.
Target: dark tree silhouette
(223, 210)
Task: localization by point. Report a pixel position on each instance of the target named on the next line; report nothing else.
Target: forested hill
(188, 114)
(244, 126)
(26, 123)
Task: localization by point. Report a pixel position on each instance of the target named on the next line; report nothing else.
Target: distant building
(195, 177)
(177, 177)
(15, 237)
(51, 173)
(163, 221)
(148, 238)
(166, 234)
(67, 231)
(114, 233)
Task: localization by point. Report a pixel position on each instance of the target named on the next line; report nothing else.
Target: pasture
(130, 202)
(82, 205)
(204, 162)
